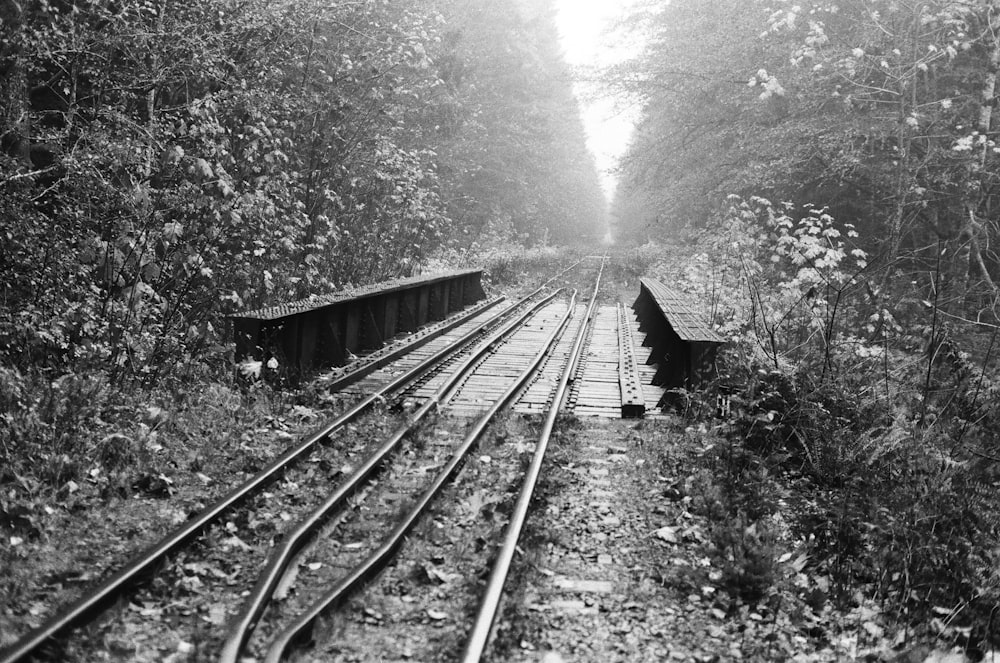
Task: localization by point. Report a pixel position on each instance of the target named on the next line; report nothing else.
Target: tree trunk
(973, 230)
(15, 123)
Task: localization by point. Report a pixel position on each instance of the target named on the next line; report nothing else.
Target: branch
(970, 322)
(30, 173)
(976, 254)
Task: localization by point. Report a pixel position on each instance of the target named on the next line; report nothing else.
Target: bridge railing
(683, 346)
(328, 330)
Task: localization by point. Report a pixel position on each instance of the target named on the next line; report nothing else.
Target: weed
(746, 553)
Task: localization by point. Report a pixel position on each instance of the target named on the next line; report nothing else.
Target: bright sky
(583, 26)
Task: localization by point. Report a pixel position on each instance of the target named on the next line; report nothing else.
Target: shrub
(46, 425)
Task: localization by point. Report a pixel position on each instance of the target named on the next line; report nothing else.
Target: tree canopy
(881, 111)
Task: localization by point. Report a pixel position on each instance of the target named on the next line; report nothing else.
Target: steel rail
(381, 555)
(486, 616)
(368, 367)
(293, 542)
(95, 602)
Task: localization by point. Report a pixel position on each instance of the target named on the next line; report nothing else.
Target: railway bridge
(419, 372)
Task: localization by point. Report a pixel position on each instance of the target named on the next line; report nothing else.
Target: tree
(166, 162)
(866, 107)
(512, 142)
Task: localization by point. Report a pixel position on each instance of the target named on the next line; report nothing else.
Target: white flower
(272, 363)
(250, 369)
(963, 144)
(858, 53)
(946, 103)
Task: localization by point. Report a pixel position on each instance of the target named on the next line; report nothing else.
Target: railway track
(412, 423)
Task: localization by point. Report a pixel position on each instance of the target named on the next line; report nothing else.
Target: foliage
(872, 110)
(45, 426)
(167, 163)
(869, 422)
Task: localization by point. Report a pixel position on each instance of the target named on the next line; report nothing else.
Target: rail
(89, 606)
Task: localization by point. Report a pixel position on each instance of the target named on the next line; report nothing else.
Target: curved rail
(283, 555)
(378, 558)
(483, 626)
(94, 603)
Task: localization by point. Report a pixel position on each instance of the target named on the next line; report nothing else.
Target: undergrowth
(79, 437)
(862, 434)
(875, 513)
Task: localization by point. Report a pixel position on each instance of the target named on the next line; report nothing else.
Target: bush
(735, 492)
(881, 501)
(46, 425)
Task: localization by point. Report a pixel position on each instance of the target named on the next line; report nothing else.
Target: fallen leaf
(435, 574)
(436, 615)
(286, 583)
(303, 412)
(217, 614)
(668, 534)
(873, 629)
(184, 651)
(235, 542)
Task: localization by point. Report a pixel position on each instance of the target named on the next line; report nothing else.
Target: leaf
(436, 615)
(873, 629)
(286, 583)
(202, 168)
(172, 231)
(668, 534)
(436, 575)
(250, 369)
(235, 542)
(217, 614)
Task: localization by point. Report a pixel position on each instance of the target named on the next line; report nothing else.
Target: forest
(167, 163)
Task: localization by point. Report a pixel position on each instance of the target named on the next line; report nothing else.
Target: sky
(583, 27)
